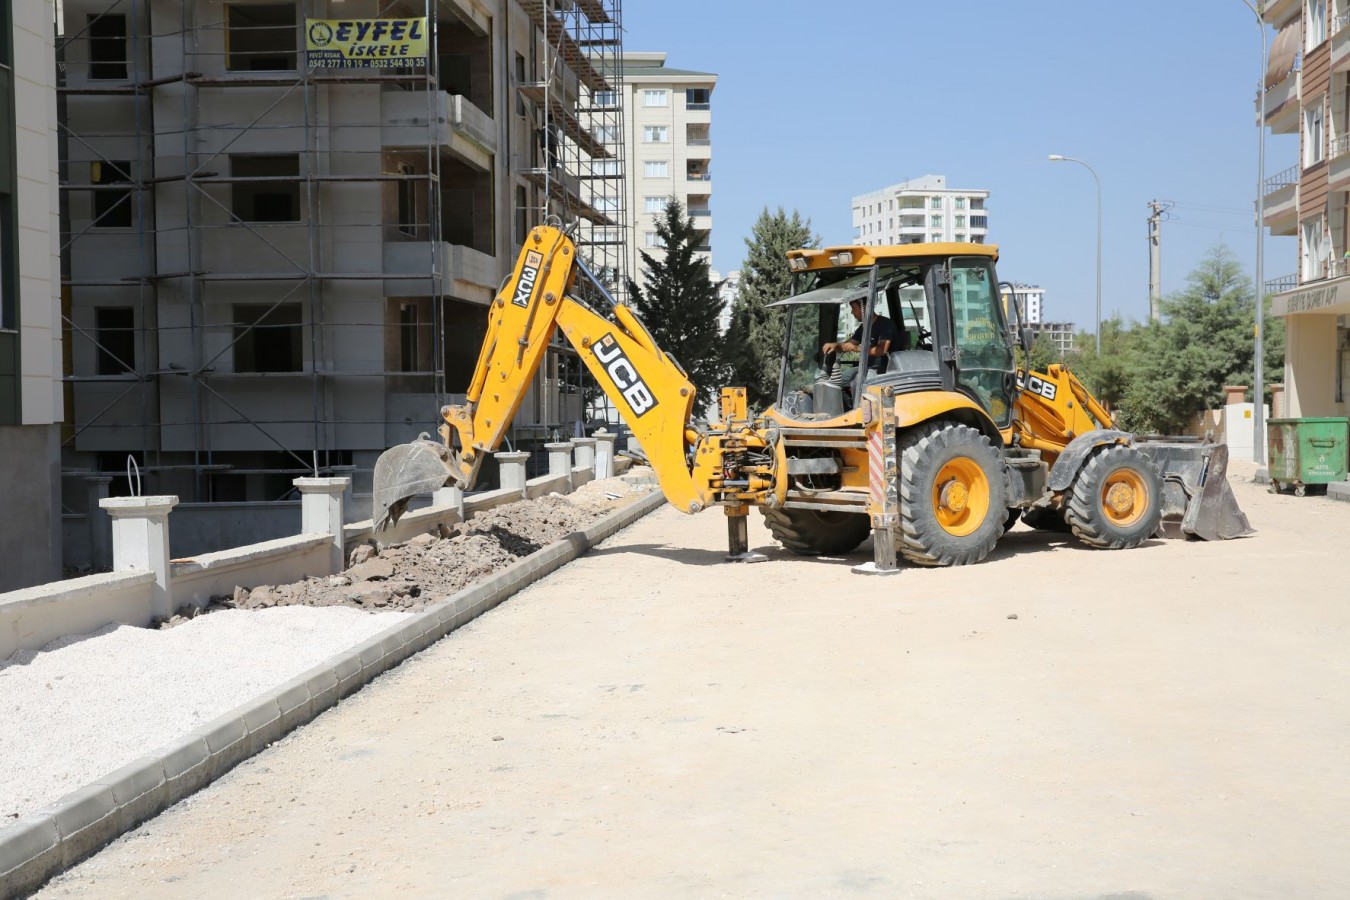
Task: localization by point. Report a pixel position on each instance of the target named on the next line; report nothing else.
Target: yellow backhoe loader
(934, 457)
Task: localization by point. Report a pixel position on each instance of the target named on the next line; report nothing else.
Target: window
(1317, 23)
(935, 203)
(655, 134)
(979, 221)
(655, 98)
(520, 80)
(1313, 143)
(1316, 249)
(455, 74)
(522, 215)
(107, 46)
(656, 169)
(260, 37)
(407, 202)
(654, 204)
(651, 239)
(408, 328)
(115, 333)
(935, 221)
(960, 237)
(605, 168)
(606, 204)
(959, 221)
(267, 338)
(605, 99)
(275, 200)
(111, 206)
(697, 98)
(606, 134)
(960, 202)
(936, 237)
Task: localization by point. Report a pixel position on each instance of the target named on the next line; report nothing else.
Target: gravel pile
(87, 705)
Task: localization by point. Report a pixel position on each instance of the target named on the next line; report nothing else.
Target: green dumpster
(1306, 451)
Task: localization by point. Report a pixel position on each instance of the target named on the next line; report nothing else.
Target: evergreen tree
(680, 305)
(1180, 365)
(755, 338)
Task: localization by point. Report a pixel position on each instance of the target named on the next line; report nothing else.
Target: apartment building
(281, 249)
(921, 210)
(31, 408)
(1030, 301)
(1307, 92)
(667, 141)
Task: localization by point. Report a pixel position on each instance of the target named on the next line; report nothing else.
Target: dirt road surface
(1167, 722)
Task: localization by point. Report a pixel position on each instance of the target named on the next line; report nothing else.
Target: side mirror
(1027, 338)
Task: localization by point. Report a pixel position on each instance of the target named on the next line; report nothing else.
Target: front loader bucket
(1196, 494)
(402, 473)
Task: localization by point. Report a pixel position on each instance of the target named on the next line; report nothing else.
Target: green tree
(1107, 374)
(755, 337)
(679, 304)
(1043, 353)
(1180, 365)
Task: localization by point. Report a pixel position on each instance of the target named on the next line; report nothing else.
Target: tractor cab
(946, 330)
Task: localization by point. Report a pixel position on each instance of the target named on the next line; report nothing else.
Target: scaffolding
(273, 270)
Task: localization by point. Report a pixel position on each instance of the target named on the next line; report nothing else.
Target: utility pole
(1156, 210)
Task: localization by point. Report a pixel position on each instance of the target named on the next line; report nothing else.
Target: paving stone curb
(58, 836)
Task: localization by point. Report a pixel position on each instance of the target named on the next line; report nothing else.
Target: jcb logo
(529, 274)
(1038, 385)
(625, 377)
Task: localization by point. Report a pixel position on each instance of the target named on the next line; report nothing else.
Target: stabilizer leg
(738, 536)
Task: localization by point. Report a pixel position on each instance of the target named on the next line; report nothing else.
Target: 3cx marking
(529, 274)
(626, 378)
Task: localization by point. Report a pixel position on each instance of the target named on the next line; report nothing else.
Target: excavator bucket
(405, 471)
(1196, 495)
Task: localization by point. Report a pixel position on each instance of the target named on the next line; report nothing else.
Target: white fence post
(140, 541)
(321, 513)
(100, 531)
(450, 496)
(511, 469)
(560, 461)
(604, 454)
(585, 453)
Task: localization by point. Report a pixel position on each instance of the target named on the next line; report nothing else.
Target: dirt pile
(429, 568)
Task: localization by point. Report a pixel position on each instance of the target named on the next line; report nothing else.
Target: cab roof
(870, 255)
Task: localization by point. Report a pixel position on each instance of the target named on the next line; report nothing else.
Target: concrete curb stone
(84, 821)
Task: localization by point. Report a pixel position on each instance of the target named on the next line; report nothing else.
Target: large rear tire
(1116, 501)
(814, 532)
(952, 496)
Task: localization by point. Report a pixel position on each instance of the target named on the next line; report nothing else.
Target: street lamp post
(1259, 362)
(1055, 157)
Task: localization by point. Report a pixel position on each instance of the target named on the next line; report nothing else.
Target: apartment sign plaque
(365, 43)
(1333, 297)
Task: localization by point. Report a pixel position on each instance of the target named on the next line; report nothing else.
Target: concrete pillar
(511, 470)
(632, 445)
(560, 461)
(1234, 393)
(100, 529)
(321, 513)
(585, 452)
(604, 454)
(140, 541)
(1277, 401)
(349, 473)
(450, 496)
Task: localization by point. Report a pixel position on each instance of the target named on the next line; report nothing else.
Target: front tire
(814, 532)
(952, 496)
(1116, 502)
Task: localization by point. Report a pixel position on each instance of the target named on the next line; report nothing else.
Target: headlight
(842, 258)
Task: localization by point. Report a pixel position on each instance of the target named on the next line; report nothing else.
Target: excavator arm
(651, 391)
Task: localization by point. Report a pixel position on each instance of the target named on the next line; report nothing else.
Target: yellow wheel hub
(1124, 497)
(961, 496)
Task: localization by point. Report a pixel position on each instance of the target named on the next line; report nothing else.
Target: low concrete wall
(31, 618)
(197, 580)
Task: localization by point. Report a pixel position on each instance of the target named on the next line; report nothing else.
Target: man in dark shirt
(884, 335)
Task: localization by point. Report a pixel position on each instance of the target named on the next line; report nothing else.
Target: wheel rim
(1124, 497)
(961, 496)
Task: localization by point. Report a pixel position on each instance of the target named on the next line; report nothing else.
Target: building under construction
(277, 259)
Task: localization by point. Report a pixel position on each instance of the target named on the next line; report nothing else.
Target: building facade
(668, 145)
(921, 210)
(31, 406)
(1307, 92)
(276, 267)
(1030, 301)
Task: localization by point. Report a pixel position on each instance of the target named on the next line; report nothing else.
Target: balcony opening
(464, 65)
(266, 201)
(115, 332)
(267, 338)
(112, 208)
(107, 46)
(260, 37)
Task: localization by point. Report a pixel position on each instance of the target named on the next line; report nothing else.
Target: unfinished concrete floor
(1168, 722)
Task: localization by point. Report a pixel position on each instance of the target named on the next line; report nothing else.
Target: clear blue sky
(818, 102)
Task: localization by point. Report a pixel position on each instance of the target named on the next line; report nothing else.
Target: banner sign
(365, 43)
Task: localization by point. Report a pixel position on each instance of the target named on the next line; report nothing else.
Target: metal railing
(1281, 284)
(698, 106)
(699, 142)
(1338, 23)
(1340, 145)
(1282, 179)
